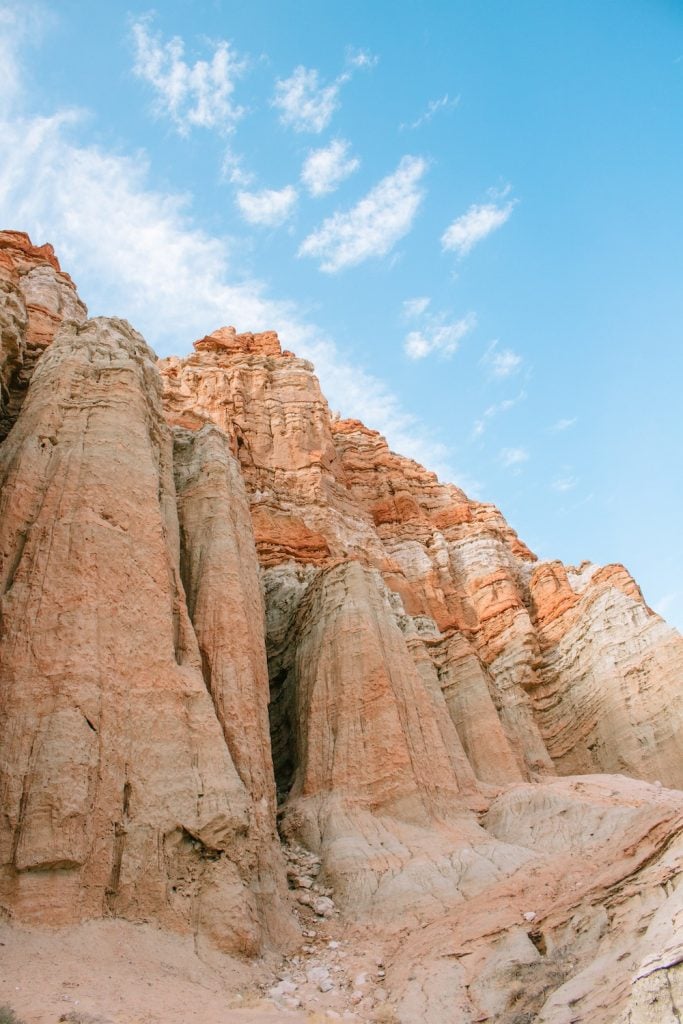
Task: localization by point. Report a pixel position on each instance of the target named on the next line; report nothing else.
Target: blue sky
(469, 215)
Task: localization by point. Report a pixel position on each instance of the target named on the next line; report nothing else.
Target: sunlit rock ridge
(231, 620)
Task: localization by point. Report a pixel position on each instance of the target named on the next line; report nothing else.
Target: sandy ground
(127, 974)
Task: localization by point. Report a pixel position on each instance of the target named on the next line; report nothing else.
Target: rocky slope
(220, 601)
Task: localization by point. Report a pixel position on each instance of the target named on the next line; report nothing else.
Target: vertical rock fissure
(282, 731)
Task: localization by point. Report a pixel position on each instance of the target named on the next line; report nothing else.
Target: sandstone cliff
(221, 603)
(35, 297)
(568, 667)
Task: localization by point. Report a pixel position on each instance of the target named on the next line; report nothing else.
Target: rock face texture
(124, 791)
(222, 606)
(35, 297)
(544, 669)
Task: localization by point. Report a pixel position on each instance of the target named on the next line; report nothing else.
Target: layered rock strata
(183, 544)
(124, 791)
(35, 297)
(416, 673)
(545, 669)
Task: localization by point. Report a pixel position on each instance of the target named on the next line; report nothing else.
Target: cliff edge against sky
(236, 630)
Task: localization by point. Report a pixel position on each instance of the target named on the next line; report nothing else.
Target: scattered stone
(283, 988)
(323, 906)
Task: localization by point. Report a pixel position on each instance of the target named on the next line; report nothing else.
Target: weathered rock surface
(121, 794)
(421, 658)
(35, 297)
(544, 668)
(469, 752)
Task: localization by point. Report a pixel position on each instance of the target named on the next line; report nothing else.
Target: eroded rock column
(119, 793)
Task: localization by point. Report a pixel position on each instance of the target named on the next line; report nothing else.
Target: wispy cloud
(374, 225)
(501, 363)
(232, 170)
(474, 225)
(446, 102)
(563, 424)
(269, 207)
(495, 410)
(504, 406)
(565, 483)
(325, 169)
(439, 337)
(361, 59)
(305, 103)
(513, 458)
(413, 308)
(136, 252)
(566, 510)
(11, 28)
(191, 95)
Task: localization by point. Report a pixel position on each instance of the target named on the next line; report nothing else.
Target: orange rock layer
(36, 297)
(220, 603)
(473, 599)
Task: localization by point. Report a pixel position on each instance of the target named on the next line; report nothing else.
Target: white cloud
(433, 107)
(473, 226)
(374, 225)
(10, 75)
(361, 59)
(269, 207)
(24, 24)
(495, 410)
(501, 362)
(513, 457)
(191, 95)
(413, 308)
(504, 406)
(304, 104)
(325, 169)
(135, 252)
(232, 170)
(505, 363)
(562, 484)
(563, 424)
(443, 338)
(497, 192)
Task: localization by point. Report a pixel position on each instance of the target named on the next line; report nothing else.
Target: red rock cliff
(219, 603)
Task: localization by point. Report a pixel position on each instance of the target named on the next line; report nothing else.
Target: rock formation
(544, 668)
(221, 603)
(124, 789)
(35, 296)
